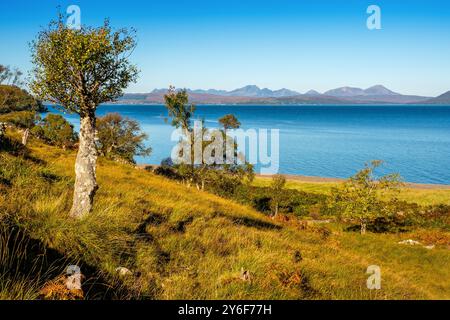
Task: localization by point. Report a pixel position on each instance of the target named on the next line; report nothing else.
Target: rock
(61, 288)
(429, 247)
(410, 242)
(122, 271)
(245, 275)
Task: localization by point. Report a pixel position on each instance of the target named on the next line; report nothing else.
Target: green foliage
(80, 69)
(222, 179)
(229, 121)
(20, 119)
(10, 76)
(277, 187)
(362, 197)
(225, 180)
(295, 202)
(177, 103)
(14, 99)
(120, 137)
(56, 130)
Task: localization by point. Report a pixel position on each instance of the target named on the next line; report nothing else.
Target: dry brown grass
(181, 243)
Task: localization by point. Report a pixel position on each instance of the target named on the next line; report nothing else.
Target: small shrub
(361, 197)
(120, 138)
(56, 130)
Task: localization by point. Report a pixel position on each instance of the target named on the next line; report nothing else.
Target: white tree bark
(26, 134)
(85, 169)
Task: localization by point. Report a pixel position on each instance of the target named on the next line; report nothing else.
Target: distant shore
(315, 179)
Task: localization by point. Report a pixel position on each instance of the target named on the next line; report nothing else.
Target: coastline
(315, 179)
(326, 180)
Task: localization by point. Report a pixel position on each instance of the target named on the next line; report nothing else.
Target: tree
(218, 175)
(10, 76)
(277, 188)
(177, 103)
(78, 70)
(364, 197)
(120, 137)
(16, 99)
(229, 121)
(23, 120)
(56, 130)
(12, 97)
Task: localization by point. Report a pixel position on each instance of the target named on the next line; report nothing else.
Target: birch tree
(77, 70)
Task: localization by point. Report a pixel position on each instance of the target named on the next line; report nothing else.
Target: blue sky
(298, 44)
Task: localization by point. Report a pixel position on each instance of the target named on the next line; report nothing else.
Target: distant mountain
(210, 91)
(442, 99)
(253, 94)
(255, 91)
(250, 91)
(377, 90)
(285, 93)
(345, 92)
(247, 91)
(312, 93)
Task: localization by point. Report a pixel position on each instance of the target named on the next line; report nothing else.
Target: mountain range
(253, 94)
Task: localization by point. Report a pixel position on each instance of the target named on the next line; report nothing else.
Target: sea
(321, 140)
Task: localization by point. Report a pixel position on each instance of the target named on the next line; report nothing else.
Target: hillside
(252, 94)
(181, 243)
(13, 98)
(442, 99)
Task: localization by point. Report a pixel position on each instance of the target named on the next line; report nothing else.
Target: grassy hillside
(181, 243)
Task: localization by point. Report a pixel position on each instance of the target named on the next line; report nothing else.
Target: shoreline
(284, 104)
(317, 179)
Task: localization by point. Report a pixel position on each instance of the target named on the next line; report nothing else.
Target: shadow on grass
(253, 223)
(22, 257)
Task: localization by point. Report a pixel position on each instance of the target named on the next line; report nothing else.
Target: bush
(56, 130)
(120, 138)
(361, 197)
(292, 201)
(14, 99)
(20, 119)
(167, 172)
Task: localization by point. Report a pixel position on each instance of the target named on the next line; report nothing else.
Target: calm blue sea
(329, 141)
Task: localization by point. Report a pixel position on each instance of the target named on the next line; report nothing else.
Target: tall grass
(181, 243)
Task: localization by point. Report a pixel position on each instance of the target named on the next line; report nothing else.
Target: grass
(181, 243)
(420, 195)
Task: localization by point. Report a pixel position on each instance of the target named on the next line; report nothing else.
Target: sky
(295, 44)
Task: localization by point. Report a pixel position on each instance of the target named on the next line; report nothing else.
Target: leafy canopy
(20, 119)
(177, 103)
(56, 130)
(120, 137)
(229, 121)
(365, 197)
(14, 99)
(10, 76)
(80, 69)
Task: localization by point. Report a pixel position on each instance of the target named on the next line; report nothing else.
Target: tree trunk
(2, 130)
(25, 136)
(85, 175)
(363, 227)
